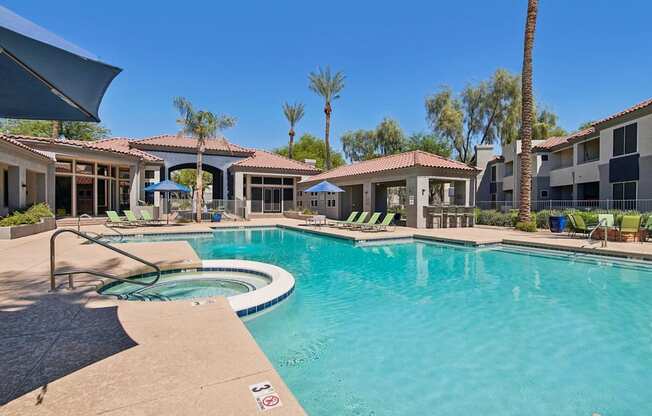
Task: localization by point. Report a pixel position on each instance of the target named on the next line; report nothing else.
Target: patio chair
(630, 224)
(357, 222)
(116, 221)
(348, 221)
(132, 219)
(147, 217)
(606, 220)
(372, 221)
(578, 225)
(648, 228)
(383, 226)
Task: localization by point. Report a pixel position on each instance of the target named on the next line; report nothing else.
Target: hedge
(30, 216)
(510, 218)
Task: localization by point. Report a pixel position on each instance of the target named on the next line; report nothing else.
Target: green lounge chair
(648, 228)
(630, 224)
(116, 221)
(348, 221)
(147, 217)
(357, 222)
(578, 225)
(132, 219)
(383, 226)
(372, 221)
(606, 220)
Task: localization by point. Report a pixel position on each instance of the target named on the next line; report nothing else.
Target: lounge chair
(132, 219)
(372, 221)
(348, 221)
(648, 229)
(606, 220)
(147, 217)
(578, 225)
(630, 224)
(116, 221)
(357, 222)
(383, 226)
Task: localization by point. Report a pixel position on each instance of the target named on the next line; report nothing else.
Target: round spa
(249, 286)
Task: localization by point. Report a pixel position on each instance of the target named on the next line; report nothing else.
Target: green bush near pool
(30, 216)
(510, 218)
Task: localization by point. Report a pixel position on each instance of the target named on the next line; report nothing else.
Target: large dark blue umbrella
(44, 77)
(167, 186)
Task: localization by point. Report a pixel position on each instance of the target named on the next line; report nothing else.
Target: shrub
(529, 227)
(496, 218)
(31, 216)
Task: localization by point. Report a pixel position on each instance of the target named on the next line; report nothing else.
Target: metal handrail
(54, 273)
(604, 244)
(79, 221)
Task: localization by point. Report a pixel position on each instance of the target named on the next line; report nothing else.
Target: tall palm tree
(294, 113)
(328, 86)
(202, 125)
(526, 114)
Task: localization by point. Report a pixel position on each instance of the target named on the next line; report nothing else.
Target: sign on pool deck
(265, 395)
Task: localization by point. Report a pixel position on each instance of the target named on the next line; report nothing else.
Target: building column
(134, 185)
(417, 193)
(238, 184)
(17, 192)
(225, 184)
(50, 181)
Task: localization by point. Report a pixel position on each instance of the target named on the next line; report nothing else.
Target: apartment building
(609, 163)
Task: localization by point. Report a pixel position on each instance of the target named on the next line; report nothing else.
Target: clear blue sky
(245, 58)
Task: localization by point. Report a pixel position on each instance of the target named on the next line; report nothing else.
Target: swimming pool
(419, 328)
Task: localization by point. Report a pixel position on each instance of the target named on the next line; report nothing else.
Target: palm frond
(326, 84)
(293, 112)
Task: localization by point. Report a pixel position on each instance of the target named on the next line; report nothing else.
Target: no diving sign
(265, 395)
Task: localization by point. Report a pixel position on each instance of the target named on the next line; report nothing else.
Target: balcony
(561, 176)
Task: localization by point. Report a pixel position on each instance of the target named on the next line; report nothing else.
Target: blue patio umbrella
(324, 187)
(44, 77)
(167, 186)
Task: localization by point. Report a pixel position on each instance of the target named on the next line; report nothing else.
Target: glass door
(272, 199)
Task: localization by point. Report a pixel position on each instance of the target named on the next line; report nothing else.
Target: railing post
(52, 262)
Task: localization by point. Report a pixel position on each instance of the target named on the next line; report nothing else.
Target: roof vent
(311, 162)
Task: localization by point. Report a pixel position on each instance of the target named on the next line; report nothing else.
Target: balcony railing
(598, 205)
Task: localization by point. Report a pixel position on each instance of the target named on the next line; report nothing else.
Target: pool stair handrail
(71, 285)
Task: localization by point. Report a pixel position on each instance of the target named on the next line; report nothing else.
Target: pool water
(430, 329)
(177, 286)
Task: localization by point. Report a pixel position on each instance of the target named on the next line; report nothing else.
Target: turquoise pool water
(429, 329)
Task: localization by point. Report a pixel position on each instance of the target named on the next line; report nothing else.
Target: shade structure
(167, 186)
(324, 186)
(44, 77)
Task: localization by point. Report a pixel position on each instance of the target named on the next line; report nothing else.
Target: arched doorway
(218, 183)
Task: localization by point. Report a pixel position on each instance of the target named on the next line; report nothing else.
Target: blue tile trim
(263, 306)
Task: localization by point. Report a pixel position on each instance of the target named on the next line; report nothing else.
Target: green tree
(328, 86)
(359, 145)
(390, 138)
(77, 130)
(527, 110)
(293, 113)
(311, 147)
(188, 177)
(428, 142)
(202, 125)
(585, 125)
(484, 113)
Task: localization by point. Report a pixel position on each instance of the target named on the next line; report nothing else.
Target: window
(273, 181)
(313, 202)
(85, 168)
(330, 203)
(64, 166)
(300, 193)
(509, 168)
(123, 173)
(544, 158)
(624, 191)
(288, 181)
(102, 170)
(5, 188)
(543, 194)
(299, 203)
(256, 180)
(624, 140)
(149, 174)
(588, 151)
(493, 173)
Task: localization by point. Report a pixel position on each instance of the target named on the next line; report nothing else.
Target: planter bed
(18, 231)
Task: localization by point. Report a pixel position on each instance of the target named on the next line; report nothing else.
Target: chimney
(311, 162)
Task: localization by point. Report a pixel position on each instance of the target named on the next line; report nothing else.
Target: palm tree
(328, 86)
(201, 125)
(526, 114)
(294, 113)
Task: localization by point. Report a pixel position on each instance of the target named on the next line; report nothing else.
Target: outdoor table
(316, 220)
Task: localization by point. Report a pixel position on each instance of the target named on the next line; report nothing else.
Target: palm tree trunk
(200, 181)
(56, 129)
(327, 156)
(526, 114)
(291, 133)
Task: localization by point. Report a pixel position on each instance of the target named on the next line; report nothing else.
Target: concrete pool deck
(75, 352)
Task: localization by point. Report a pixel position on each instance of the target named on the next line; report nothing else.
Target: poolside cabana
(408, 183)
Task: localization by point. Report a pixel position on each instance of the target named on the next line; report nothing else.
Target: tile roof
(636, 107)
(392, 162)
(266, 160)
(122, 144)
(180, 142)
(553, 143)
(98, 145)
(10, 138)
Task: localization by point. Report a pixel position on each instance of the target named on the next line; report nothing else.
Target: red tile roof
(266, 160)
(553, 143)
(180, 142)
(122, 144)
(636, 107)
(392, 162)
(10, 138)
